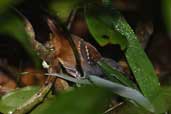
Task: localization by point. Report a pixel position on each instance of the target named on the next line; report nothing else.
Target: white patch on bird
(79, 47)
(77, 74)
(88, 54)
(45, 65)
(52, 49)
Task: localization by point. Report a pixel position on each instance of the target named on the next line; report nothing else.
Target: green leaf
(140, 64)
(63, 8)
(166, 90)
(107, 2)
(128, 108)
(118, 89)
(126, 92)
(4, 4)
(83, 100)
(16, 98)
(167, 13)
(99, 21)
(115, 75)
(12, 25)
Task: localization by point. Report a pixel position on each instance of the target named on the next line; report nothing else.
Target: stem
(71, 42)
(113, 107)
(34, 100)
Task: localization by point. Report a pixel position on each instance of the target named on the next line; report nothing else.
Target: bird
(89, 55)
(59, 50)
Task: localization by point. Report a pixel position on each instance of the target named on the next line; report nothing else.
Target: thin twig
(71, 42)
(114, 107)
(41, 50)
(71, 19)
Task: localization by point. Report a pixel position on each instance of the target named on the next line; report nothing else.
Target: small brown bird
(58, 49)
(88, 54)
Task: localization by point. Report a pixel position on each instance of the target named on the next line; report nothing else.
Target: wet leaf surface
(140, 65)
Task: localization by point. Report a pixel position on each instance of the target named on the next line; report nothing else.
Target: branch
(34, 100)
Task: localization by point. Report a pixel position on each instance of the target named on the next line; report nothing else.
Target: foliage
(131, 94)
(140, 65)
(167, 13)
(132, 109)
(107, 26)
(115, 75)
(101, 18)
(137, 59)
(63, 8)
(166, 90)
(84, 100)
(4, 4)
(16, 98)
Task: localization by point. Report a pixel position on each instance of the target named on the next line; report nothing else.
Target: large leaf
(131, 109)
(118, 89)
(129, 93)
(16, 98)
(12, 25)
(83, 100)
(99, 21)
(140, 65)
